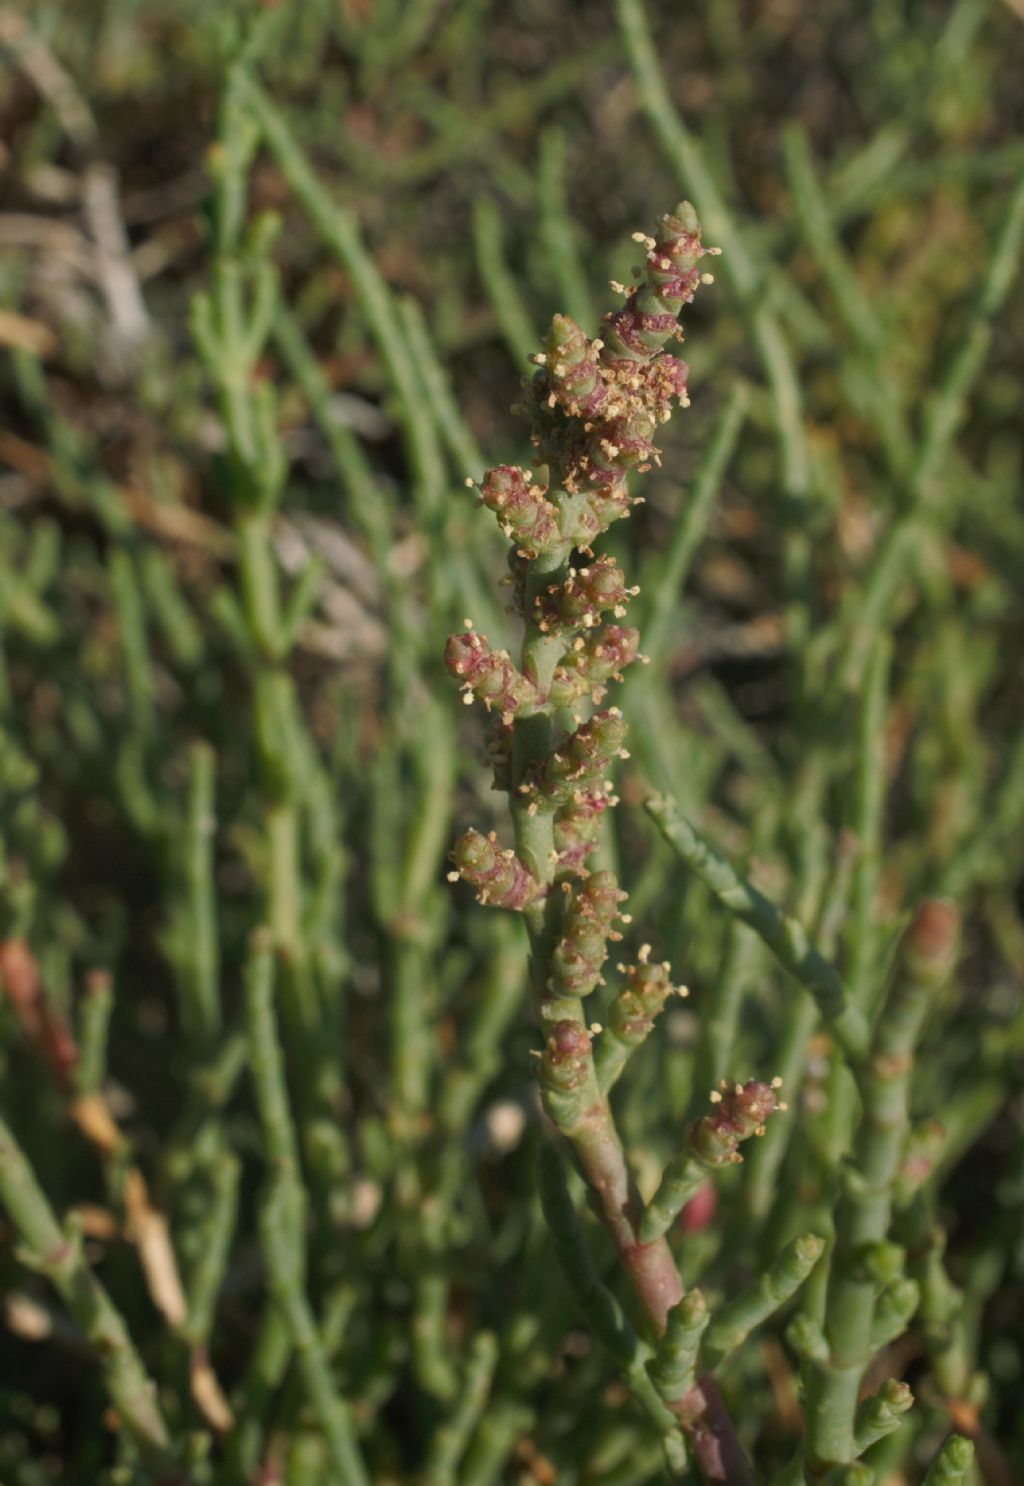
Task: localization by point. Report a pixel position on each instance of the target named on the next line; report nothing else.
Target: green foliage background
(222, 704)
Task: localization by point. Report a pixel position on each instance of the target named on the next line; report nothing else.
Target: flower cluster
(741, 1111)
(579, 601)
(524, 515)
(594, 407)
(592, 662)
(578, 763)
(499, 876)
(591, 909)
(646, 986)
(489, 676)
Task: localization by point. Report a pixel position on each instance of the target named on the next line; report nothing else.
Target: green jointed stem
(733, 1322)
(557, 230)
(266, 1063)
(170, 609)
(799, 1020)
(854, 1474)
(93, 1025)
(792, 1473)
(739, 267)
(200, 988)
(516, 105)
(431, 1352)
(268, 1363)
(853, 304)
(340, 231)
(499, 282)
(285, 1275)
(464, 549)
(941, 1316)
(947, 409)
(505, 1422)
(410, 909)
(857, 308)
(660, 599)
(784, 936)
(282, 1218)
(213, 1248)
(369, 510)
(451, 1438)
(983, 856)
(437, 388)
(868, 823)
(896, 552)
(230, 326)
(893, 1311)
(57, 1253)
(138, 669)
(574, 1102)
(495, 1004)
(718, 1020)
(863, 1262)
(673, 1368)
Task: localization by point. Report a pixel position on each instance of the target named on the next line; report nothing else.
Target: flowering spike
(645, 989)
(593, 661)
(608, 498)
(500, 878)
(595, 405)
(489, 676)
(583, 948)
(577, 825)
(566, 1071)
(573, 370)
(741, 1112)
(639, 330)
(713, 1142)
(583, 596)
(594, 408)
(525, 516)
(580, 760)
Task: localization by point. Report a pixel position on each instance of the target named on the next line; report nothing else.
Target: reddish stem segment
(711, 1437)
(650, 1266)
(655, 1279)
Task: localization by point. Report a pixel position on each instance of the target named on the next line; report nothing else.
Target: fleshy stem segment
(865, 1265)
(57, 1253)
(594, 407)
(785, 937)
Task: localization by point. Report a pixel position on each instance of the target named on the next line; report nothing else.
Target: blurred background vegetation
(833, 602)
